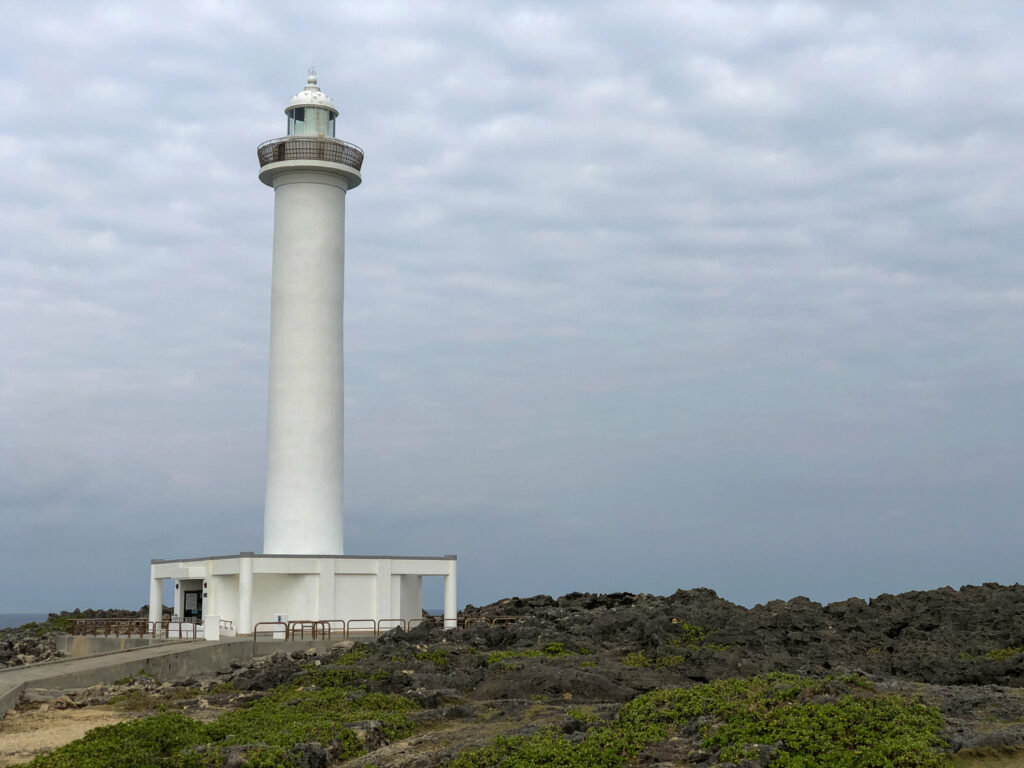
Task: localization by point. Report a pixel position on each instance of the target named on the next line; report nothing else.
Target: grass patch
(438, 658)
(818, 723)
(689, 639)
(551, 650)
(1004, 654)
(996, 654)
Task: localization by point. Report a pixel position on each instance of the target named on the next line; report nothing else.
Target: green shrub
(147, 743)
(847, 731)
(637, 659)
(357, 652)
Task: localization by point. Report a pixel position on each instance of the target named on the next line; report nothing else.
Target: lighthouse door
(193, 606)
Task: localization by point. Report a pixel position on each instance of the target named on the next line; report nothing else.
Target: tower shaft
(306, 392)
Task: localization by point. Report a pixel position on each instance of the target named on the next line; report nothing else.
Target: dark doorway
(193, 606)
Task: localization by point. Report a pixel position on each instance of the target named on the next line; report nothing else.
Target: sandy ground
(26, 733)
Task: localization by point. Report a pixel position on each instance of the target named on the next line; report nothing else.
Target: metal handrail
(129, 627)
(256, 629)
(349, 627)
(310, 148)
(331, 629)
(299, 627)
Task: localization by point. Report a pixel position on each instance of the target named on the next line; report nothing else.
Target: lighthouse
(311, 172)
(303, 575)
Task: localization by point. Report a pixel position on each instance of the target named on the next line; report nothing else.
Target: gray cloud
(638, 296)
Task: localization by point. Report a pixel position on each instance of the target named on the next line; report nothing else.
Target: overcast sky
(639, 295)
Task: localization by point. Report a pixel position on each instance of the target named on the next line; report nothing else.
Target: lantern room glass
(311, 121)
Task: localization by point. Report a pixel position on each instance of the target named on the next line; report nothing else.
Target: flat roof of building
(154, 561)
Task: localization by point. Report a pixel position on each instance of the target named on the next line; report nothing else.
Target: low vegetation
(802, 722)
(684, 642)
(317, 709)
(551, 650)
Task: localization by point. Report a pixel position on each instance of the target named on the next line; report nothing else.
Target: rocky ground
(33, 643)
(570, 662)
(22, 646)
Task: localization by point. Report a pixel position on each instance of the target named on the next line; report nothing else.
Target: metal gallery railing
(310, 148)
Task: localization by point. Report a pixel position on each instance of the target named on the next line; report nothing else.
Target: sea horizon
(8, 620)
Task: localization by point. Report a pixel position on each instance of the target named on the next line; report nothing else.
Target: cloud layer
(639, 296)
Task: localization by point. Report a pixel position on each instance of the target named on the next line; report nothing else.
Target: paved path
(171, 660)
(166, 661)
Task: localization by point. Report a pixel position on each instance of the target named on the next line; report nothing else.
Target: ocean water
(17, 619)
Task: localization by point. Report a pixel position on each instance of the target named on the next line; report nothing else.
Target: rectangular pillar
(325, 594)
(178, 599)
(156, 597)
(245, 625)
(410, 600)
(451, 609)
(384, 589)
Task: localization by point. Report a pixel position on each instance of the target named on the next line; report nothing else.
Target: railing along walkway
(179, 630)
(324, 629)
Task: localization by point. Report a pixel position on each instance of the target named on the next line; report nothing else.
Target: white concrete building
(303, 573)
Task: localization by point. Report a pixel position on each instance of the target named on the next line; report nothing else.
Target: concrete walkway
(165, 662)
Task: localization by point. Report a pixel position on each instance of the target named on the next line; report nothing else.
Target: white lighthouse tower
(303, 574)
(311, 171)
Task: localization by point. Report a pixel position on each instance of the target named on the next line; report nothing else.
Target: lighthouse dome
(312, 96)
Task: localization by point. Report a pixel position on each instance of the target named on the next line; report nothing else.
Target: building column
(451, 610)
(244, 594)
(156, 597)
(383, 589)
(325, 595)
(178, 599)
(209, 595)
